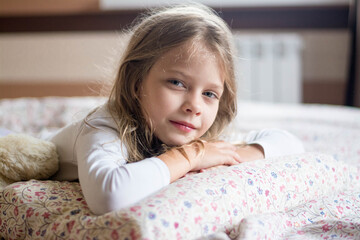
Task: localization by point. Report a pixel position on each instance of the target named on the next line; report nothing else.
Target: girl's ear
(138, 90)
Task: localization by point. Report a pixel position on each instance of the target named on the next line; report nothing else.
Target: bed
(315, 195)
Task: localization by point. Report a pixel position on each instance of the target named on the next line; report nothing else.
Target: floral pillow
(194, 206)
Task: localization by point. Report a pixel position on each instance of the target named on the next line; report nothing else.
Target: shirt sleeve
(275, 142)
(107, 181)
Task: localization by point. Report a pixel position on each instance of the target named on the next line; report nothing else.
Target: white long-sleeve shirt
(94, 155)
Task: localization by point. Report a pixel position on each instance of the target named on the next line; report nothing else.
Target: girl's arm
(93, 154)
(215, 154)
(258, 145)
(199, 157)
(109, 183)
(275, 142)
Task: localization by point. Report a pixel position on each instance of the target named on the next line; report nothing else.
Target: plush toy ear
(23, 157)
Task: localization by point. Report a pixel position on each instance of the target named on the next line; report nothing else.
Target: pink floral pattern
(235, 200)
(333, 216)
(306, 196)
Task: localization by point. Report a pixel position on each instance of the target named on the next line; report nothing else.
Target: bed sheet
(35, 116)
(328, 129)
(308, 196)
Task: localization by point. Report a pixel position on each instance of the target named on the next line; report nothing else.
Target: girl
(173, 95)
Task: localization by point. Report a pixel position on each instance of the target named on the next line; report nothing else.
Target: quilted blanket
(315, 195)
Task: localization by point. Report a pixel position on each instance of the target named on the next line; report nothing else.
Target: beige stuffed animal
(23, 157)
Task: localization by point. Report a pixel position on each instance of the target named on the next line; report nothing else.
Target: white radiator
(268, 67)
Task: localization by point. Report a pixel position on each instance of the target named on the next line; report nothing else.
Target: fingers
(215, 154)
(230, 156)
(234, 162)
(227, 151)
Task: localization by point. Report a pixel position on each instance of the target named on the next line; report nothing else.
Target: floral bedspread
(306, 196)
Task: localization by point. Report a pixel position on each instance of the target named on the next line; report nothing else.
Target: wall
(64, 62)
(325, 60)
(24, 7)
(52, 58)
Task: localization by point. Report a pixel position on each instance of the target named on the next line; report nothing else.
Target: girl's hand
(250, 152)
(212, 154)
(245, 153)
(199, 155)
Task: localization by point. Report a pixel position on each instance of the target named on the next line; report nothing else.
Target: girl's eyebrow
(216, 86)
(179, 72)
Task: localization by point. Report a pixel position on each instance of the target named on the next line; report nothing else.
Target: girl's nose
(192, 106)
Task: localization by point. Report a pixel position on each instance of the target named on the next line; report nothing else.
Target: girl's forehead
(189, 52)
(191, 60)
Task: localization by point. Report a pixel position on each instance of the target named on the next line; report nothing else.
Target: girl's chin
(177, 142)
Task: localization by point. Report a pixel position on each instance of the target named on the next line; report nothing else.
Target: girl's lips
(183, 126)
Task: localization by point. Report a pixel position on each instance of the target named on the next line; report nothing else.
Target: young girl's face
(181, 93)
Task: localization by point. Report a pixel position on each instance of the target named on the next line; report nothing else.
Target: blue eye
(176, 82)
(210, 95)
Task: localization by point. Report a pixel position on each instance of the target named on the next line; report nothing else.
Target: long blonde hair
(156, 33)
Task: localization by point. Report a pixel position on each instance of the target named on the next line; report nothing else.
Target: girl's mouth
(183, 126)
